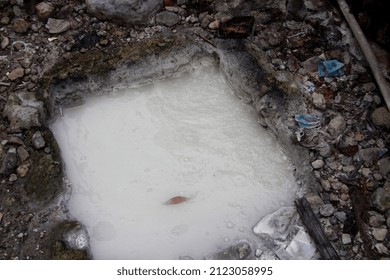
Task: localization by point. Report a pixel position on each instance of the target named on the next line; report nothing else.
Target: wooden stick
(368, 53)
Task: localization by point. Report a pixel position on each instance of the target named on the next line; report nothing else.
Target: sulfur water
(127, 154)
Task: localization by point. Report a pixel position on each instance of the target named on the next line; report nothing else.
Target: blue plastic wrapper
(308, 121)
(330, 68)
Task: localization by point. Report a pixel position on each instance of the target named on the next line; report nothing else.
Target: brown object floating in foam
(176, 200)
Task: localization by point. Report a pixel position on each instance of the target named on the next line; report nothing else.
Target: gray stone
(380, 199)
(182, 2)
(23, 111)
(44, 10)
(1, 217)
(76, 239)
(57, 26)
(327, 210)
(9, 163)
(337, 125)
(381, 117)
(382, 249)
(12, 177)
(384, 166)
(346, 238)
(376, 219)
(317, 164)
(341, 216)
(276, 225)
(167, 18)
(4, 42)
(315, 201)
(239, 251)
(319, 101)
(380, 234)
(20, 25)
(388, 222)
(369, 155)
(16, 74)
(37, 140)
(126, 11)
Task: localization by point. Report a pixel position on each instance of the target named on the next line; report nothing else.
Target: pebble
(348, 168)
(366, 172)
(44, 10)
(57, 26)
(381, 117)
(22, 153)
(380, 234)
(319, 101)
(16, 74)
(20, 235)
(37, 140)
(327, 210)
(382, 249)
(167, 18)
(12, 177)
(376, 219)
(1, 217)
(384, 166)
(22, 170)
(380, 199)
(214, 24)
(341, 216)
(346, 238)
(337, 125)
(317, 164)
(4, 43)
(20, 25)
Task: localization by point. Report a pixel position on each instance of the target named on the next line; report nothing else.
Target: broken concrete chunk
(277, 225)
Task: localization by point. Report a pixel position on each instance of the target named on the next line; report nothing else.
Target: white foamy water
(128, 153)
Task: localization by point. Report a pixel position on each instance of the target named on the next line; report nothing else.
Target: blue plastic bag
(330, 68)
(308, 121)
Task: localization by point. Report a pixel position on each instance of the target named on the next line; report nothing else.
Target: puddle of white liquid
(128, 153)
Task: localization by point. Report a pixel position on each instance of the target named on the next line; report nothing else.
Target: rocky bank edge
(64, 44)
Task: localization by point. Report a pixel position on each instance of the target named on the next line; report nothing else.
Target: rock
(57, 26)
(44, 10)
(388, 222)
(381, 117)
(382, 249)
(20, 25)
(380, 199)
(376, 219)
(366, 172)
(176, 10)
(315, 201)
(205, 19)
(9, 163)
(182, 2)
(167, 18)
(1, 217)
(76, 239)
(23, 111)
(239, 251)
(22, 170)
(327, 210)
(12, 177)
(22, 153)
(214, 24)
(341, 216)
(126, 11)
(37, 140)
(16, 74)
(369, 155)
(317, 164)
(380, 234)
(4, 43)
(337, 125)
(384, 166)
(346, 239)
(276, 225)
(319, 101)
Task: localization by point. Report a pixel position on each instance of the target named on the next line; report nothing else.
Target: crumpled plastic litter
(330, 68)
(308, 120)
